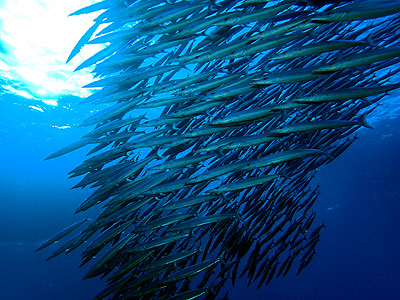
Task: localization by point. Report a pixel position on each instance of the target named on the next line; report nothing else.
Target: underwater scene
(210, 149)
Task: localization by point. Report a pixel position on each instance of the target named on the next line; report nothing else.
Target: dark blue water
(359, 203)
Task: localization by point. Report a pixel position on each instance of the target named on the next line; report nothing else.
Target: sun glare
(38, 36)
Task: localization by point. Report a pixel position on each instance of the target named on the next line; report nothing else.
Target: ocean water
(359, 203)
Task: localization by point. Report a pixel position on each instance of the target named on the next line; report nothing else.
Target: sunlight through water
(36, 37)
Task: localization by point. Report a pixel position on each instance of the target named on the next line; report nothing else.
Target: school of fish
(215, 115)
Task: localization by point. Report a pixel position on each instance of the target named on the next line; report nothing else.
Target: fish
(248, 115)
(318, 48)
(201, 221)
(158, 242)
(171, 259)
(163, 222)
(358, 11)
(187, 202)
(67, 149)
(318, 125)
(215, 117)
(110, 255)
(130, 264)
(347, 94)
(61, 234)
(192, 270)
(189, 295)
(246, 183)
(182, 162)
(291, 76)
(359, 59)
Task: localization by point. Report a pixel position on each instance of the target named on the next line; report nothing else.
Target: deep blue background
(359, 202)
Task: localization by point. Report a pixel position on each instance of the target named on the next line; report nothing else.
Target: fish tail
(238, 217)
(363, 121)
(370, 41)
(283, 174)
(214, 6)
(327, 154)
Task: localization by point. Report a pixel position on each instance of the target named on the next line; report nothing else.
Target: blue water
(359, 203)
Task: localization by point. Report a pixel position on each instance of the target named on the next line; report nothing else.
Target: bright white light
(36, 108)
(18, 91)
(61, 127)
(51, 102)
(39, 36)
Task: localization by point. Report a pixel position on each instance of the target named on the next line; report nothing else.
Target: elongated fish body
(113, 125)
(281, 157)
(111, 113)
(192, 270)
(159, 242)
(188, 81)
(288, 77)
(245, 116)
(61, 234)
(224, 52)
(247, 141)
(263, 46)
(319, 48)
(74, 146)
(182, 162)
(189, 295)
(243, 184)
(119, 136)
(171, 14)
(214, 146)
(346, 94)
(204, 131)
(187, 202)
(112, 253)
(201, 88)
(239, 18)
(216, 172)
(171, 259)
(278, 29)
(163, 222)
(166, 101)
(145, 184)
(316, 125)
(168, 187)
(135, 260)
(350, 13)
(98, 56)
(136, 76)
(361, 59)
(201, 221)
(159, 122)
(197, 108)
